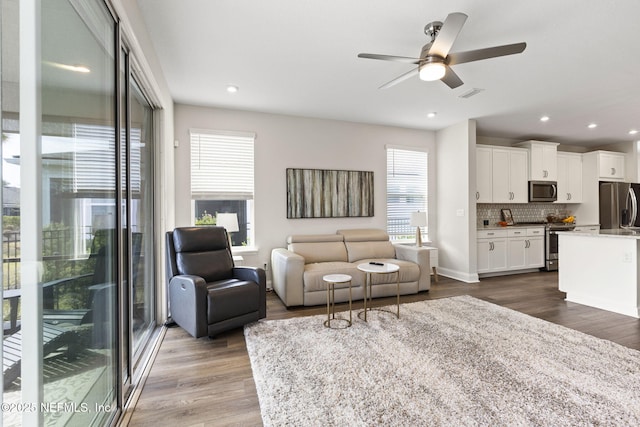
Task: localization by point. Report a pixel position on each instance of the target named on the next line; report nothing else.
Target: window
(222, 179)
(406, 190)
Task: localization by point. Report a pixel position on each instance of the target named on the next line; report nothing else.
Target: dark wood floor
(208, 382)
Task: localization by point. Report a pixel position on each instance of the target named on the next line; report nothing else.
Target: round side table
(331, 280)
(379, 268)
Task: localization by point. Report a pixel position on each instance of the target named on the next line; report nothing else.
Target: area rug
(453, 361)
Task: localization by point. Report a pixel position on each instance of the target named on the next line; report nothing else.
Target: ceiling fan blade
(389, 58)
(405, 76)
(451, 79)
(486, 53)
(448, 34)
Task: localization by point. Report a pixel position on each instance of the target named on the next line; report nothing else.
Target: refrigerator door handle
(634, 207)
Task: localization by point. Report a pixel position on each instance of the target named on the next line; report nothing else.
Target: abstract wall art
(320, 193)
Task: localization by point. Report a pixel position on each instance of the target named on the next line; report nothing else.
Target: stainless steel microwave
(543, 191)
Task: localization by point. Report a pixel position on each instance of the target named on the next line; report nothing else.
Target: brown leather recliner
(207, 293)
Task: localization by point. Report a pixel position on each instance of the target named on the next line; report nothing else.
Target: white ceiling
(299, 57)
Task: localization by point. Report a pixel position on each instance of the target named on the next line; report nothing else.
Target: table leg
(350, 319)
(398, 293)
(328, 322)
(333, 300)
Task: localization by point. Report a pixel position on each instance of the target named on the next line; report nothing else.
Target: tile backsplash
(529, 212)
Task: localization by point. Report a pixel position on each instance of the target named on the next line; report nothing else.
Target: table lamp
(418, 219)
(230, 222)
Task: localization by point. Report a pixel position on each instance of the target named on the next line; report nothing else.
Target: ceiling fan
(435, 61)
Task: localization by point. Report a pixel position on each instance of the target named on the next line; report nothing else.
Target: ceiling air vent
(471, 93)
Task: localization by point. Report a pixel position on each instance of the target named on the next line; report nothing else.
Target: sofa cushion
(318, 248)
(364, 243)
(313, 274)
(357, 251)
(364, 235)
(409, 271)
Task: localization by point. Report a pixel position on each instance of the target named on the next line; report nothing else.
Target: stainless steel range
(552, 260)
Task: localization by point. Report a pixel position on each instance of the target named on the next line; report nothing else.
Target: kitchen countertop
(615, 233)
(499, 227)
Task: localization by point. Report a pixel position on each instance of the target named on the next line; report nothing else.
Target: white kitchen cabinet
(484, 172)
(492, 250)
(509, 177)
(510, 249)
(525, 248)
(588, 228)
(609, 165)
(542, 160)
(569, 178)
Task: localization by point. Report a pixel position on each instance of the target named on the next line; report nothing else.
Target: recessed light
(633, 132)
(544, 118)
(431, 115)
(232, 89)
(592, 126)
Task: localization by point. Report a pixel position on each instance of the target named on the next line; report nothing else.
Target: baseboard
(458, 275)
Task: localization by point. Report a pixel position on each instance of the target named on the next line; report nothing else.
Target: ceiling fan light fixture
(432, 71)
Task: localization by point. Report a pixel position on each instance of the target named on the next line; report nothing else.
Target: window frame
(404, 233)
(243, 187)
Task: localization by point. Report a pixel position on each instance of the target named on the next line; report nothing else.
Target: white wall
(293, 142)
(456, 209)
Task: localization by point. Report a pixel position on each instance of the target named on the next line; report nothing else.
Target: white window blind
(407, 184)
(221, 165)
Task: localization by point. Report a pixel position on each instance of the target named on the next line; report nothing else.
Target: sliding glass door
(78, 225)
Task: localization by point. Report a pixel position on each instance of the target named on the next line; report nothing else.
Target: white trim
(31, 208)
(405, 148)
(239, 134)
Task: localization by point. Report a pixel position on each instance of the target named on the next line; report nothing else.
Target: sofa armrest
(287, 269)
(259, 276)
(421, 257)
(188, 303)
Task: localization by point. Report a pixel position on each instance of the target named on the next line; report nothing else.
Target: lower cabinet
(492, 250)
(524, 250)
(510, 249)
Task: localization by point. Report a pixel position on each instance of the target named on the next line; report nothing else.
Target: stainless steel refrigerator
(619, 205)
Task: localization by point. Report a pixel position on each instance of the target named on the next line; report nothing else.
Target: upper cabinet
(569, 178)
(543, 164)
(609, 165)
(501, 174)
(484, 174)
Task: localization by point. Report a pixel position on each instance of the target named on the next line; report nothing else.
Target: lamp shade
(418, 219)
(229, 221)
(432, 71)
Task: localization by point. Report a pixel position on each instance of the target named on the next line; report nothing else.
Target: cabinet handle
(613, 171)
(545, 173)
(570, 196)
(477, 195)
(526, 243)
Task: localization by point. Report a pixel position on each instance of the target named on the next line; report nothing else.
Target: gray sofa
(298, 270)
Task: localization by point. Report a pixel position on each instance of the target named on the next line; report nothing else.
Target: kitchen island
(600, 269)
